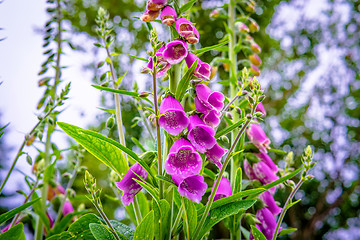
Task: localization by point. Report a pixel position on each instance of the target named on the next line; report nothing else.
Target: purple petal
(211, 118)
(192, 187)
(249, 171)
(173, 118)
(68, 208)
(260, 108)
(270, 203)
(200, 107)
(184, 27)
(258, 137)
(168, 15)
(268, 222)
(175, 51)
(200, 135)
(264, 174)
(155, 5)
(224, 189)
(266, 159)
(183, 160)
(149, 15)
(210, 98)
(215, 154)
(202, 70)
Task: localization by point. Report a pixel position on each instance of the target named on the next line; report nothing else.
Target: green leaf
(150, 189)
(79, 229)
(185, 80)
(229, 128)
(122, 92)
(14, 233)
(139, 58)
(277, 151)
(2, 128)
(9, 214)
(220, 213)
(111, 111)
(145, 230)
(103, 148)
(258, 235)
(161, 211)
(65, 221)
(287, 231)
(189, 217)
(118, 81)
(137, 143)
(100, 232)
(291, 204)
(213, 47)
(123, 229)
(187, 6)
(238, 180)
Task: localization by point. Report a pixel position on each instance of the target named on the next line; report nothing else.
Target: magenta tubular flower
(211, 118)
(249, 171)
(129, 186)
(173, 118)
(215, 154)
(183, 160)
(175, 51)
(258, 137)
(224, 189)
(268, 222)
(260, 108)
(187, 30)
(155, 5)
(269, 162)
(200, 134)
(270, 203)
(207, 100)
(264, 174)
(149, 16)
(192, 187)
(168, 16)
(202, 70)
(68, 208)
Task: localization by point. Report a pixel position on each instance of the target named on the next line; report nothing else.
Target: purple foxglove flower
(128, 185)
(249, 171)
(168, 16)
(175, 51)
(192, 187)
(260, 108)
(202, 70)
(211, 118)
(224, 189)
(149, 15)
(206, 99)
(68, 208)
(270, 203)
(258, 137)
(155, 5)
(160, 60)
(215, 154)
(173, 118)
(200, 134)
(266, 159)
(183, 160)
(187, 30)
(264, 174)
(268, 222)
(50, 220)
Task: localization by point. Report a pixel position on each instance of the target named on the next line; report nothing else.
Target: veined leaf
(229, 128)
(150, 189)
(14, 233)
(287, 231)
(213, 47)
(258, 235)
(162, 227)
(184, 82)
(139, 58)
(189, 217)
(123, 229)
(6, 216)
(65, 221)
(145, 230)
(100, 232)
(187, 6)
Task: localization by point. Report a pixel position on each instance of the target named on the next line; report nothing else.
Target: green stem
(175, 77)
(141, 112)
(104, 217)
(137, 211)
(283, 211)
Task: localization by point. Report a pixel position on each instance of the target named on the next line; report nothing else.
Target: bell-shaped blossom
(224, 189)
(183, 160)
(187, 30)
(160, 71)
(149, 16)
(192, 187)
(268, 222)
(200, 134)
(255, 47)
(248, 170)
(254, 70)
(270, 203)
(155, 5)
(173, 118)
(258, 137)
(264, 174)
(202, 70)
(207, 100)
(215, 154)
(168, 16)
(255, 59)
(260, 108)
(269, 162)
(242, 27)
(68, 208)
(175, 51)
(211, 118)
(129, 186)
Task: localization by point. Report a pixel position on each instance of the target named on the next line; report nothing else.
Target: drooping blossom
(160, 60)
(270, 203)
(254, 70)
(200, 134)
(68, 208)
(192, 187)
(248, 170)
(269, 162)
(168, 16)
(129, 186)
(260, 108)
(211, 118)
(155, 5)
(202, 70)
(187, 30)
(224, 189)
(149, 16)
(215, 154)
(258, 137)
(255, 59)
(175, 51)
(264, 174)
(183, 160)
(207, 100)
(242, 27)
(255, 47)
(268, 222)
(173, 118)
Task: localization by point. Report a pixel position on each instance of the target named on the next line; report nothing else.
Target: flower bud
(249, 38)
(148, 157)
(214, 13)
(254, 27)
(213, 72)
(145, 70)
(255, 47)
(110, 122)
(144, 94)
(229, 115)
(250, 7)
(149, 16)
(255, 59)
(242, 27)
(30, 139)
(238, 110)
(152, 119)
(105, 84)
(226, 66)
(254, 70)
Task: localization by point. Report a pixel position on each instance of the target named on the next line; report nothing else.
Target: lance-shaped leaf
(6, 216)
(162, 211)
(145, 230)
(258, 235)
(187, 6)
(214, 47)
(229, 128)
(185, 80)
(189, 217)
(100, 232)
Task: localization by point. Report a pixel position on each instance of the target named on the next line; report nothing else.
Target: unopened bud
(291, 183)
(248, 116)
(224, 141)
(105, 84)
(250, 7)
(254, 27)
(255, 59)
(152, 119)
(226, 66)
(238, 110)
(255, 47)
(214, 13)
(254, 70)
(144, 94)
(309, 177)
(242, 27)
(145, 70)
(244, 93)
(213, 72)
(30, 139)
(149, 16)
(43, 81)
(28, 159)
(308, 150)
(229, 115)
(161, 65)
(249, 38)
(258, 114)
(195, 82)
(110, 122)
(148, 157)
